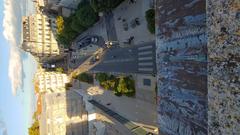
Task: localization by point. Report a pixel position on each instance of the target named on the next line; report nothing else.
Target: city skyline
(119, 67)
(17, 70)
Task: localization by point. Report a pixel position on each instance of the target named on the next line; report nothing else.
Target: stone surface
(223, 20)
(182, 67)
(129, 12)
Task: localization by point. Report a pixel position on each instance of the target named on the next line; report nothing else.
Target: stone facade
(182, 66)
(38, 36)
(223, 20)
(63, 113)
(50, 82)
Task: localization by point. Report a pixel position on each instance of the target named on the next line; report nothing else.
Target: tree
(85, 77)
(150, 17)
(34, 129)
(76, 26)
(60, 24)
(101, 77)
(104, 5)
(122, 86)
(86, 16)
(60, 70)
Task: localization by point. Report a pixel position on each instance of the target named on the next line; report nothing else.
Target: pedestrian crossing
(146, 59)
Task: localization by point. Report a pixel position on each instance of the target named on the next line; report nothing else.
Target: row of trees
(85, 16)
(69, 28)
(120, 86)
(85, 77)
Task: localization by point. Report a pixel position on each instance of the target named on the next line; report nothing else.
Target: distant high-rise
(38, 37)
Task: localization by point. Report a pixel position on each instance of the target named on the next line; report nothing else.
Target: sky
(17, 68)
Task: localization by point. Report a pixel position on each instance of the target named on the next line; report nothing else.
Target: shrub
(120, 86)
(117, 93)
(150, 17)
(101, 77)
(85, 77)
(108, 85)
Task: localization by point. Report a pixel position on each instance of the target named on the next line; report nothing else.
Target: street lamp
(111, 43)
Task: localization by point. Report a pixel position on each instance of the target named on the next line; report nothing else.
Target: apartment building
(38, 36)
(51, 81)
(63, 114)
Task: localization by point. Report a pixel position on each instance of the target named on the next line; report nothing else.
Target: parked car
(94, 39)
(47, 65)
(74, 57)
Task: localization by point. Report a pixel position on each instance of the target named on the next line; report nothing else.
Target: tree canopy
(150, 17)
(60, 24)
(120, 86)
(86, 16)
(34, 129)
(104, 5)
(85, 77)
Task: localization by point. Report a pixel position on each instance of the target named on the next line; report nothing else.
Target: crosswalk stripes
(144, 53)
(146, 58)
(144, 47)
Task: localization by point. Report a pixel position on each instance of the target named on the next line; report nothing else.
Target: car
(74, 56)
(53, 65)
(94, 39)
(79, 43)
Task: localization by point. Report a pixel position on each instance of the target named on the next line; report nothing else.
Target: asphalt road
(110, 26)
(100, 42)
(135, 59)
(73, 63)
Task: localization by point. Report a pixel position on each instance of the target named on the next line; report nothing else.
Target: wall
(182, 66)
(223, 20)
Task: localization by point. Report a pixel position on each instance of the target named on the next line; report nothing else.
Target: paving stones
(224, 67)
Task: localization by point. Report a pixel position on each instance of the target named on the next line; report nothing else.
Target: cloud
(3, 128)
(9, 32)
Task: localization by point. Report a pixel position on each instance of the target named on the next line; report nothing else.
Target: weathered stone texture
(182, 66)
(223, 22)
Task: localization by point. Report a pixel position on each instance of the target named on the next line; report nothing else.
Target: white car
(94, 39)
(74, 57)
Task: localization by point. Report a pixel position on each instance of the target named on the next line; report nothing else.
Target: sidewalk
(129, 12)
(141, 113)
